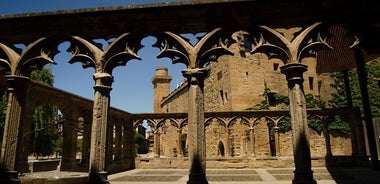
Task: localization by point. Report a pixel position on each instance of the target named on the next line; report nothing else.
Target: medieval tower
(161, 82)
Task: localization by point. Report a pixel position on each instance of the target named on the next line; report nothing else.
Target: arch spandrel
(276, 45)
(183, 123)
(220, 121)
(137, 123)
(174, 122)
(34, 56)
(208, 48)
(118, 53)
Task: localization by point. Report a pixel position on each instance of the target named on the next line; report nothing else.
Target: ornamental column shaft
(291, 49)
(179, 145)
(156, 144)
(297, 108)
(90, 54)
(197, 143)
(118, 141)
(69, 144)
(99, 131)
(86, 142)
(130, 144)
(252, 138)
(228, 144)
(195, 56)
(11, 146)
(363, 82)
(276, 140)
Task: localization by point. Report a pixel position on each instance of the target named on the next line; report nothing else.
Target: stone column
(297, 107)
(125, 140)
(11, 146)
(25, 134)
(118, 141)
(179, 145)
(228, 145)
(156, 145)
(97, 173)
(197, 143)
(130, 144)
(252, 138)
(326, 134)
(363, 82)
(276, 140)
(358, 134)
(128, 150)
(69, 145)
(109, 144)
(86, 142)
(243, 146)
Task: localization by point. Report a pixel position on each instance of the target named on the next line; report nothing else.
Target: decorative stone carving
(118, 53)
(207, 49)
(291, 52)
(18, 67)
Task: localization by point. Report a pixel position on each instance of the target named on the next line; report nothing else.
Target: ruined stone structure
(349, 30)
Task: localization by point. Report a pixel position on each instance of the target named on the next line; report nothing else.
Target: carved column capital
(293, 71)
(103, 82)
(196, 76)
(195, 72)
(15, 81)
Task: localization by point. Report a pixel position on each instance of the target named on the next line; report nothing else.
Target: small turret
(161, 87)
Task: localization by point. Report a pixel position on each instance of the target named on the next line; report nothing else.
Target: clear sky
(132, 89)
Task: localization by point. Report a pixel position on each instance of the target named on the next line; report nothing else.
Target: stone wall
(177, 100)
(235, 141)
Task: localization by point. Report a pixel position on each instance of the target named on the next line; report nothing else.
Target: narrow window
(272, 99)
(220, 75)
(275, 66)
(311, 83)
(247, 44)
(222, 97)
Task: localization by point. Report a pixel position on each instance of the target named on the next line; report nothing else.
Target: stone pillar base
(9, 177)
(303, 178)
(197, 178)
(98, 178)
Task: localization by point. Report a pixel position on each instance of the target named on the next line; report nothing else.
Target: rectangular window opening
(311, 83)
(272, 99)
(275, 66)
(222, 97)
(220, 75)
(247, 44)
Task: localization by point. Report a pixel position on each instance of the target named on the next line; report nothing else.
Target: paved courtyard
(335, 175)
(244, 176)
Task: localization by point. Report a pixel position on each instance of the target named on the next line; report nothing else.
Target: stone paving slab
(336, 175)
(244, 176)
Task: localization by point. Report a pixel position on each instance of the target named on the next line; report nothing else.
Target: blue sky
(132, 89)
